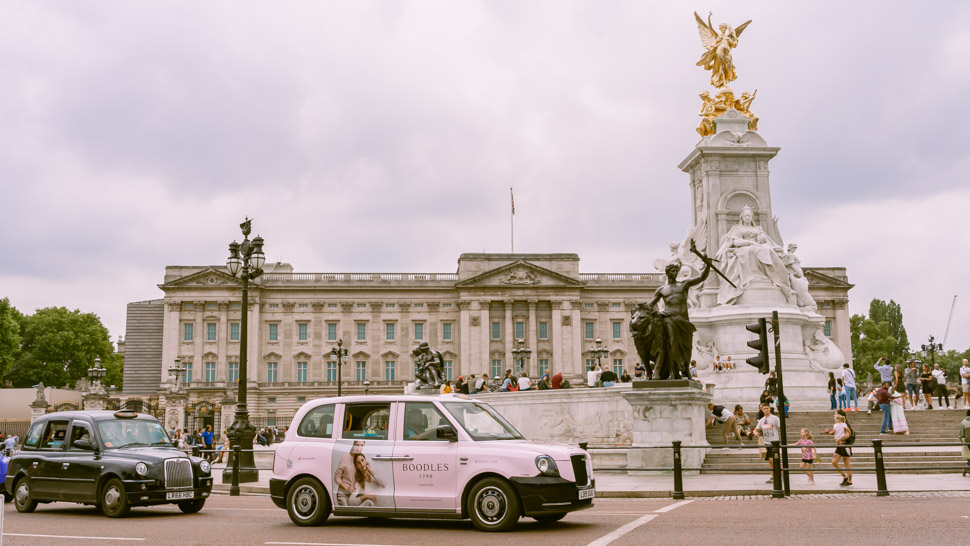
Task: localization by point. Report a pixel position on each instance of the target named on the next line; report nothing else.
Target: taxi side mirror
(446, 432)
(83, 444)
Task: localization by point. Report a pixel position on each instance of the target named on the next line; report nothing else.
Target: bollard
(881, 489)
(678, 492)
(777, 492)
(234, 488)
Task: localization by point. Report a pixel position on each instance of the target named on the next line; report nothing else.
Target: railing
(780, 470)
(357, 277)
(622, 277)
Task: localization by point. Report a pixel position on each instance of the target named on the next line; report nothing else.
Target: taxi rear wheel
(493, 505)
(114, 501)
(21, 496)
(549, 518)
(307, 503)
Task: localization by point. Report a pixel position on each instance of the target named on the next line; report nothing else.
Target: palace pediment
(208, 277)
(821, 280)
(520, 274)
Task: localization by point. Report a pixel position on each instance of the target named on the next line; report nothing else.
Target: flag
(513, 201)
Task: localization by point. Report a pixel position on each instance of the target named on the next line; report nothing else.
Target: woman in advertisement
(354, 475)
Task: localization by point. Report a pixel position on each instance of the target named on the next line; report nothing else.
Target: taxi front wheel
(493, 505)
(307, 503)
(114, 501)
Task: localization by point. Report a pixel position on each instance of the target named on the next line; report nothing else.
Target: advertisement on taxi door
(358, 479)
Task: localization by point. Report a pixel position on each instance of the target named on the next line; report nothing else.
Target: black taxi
(110, 459)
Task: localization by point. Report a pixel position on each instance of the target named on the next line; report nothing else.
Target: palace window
(274, 332)
(616, 305)
(618, 366)
(210, 331)
(448, 369)
(271, 369)
(187, 378)
(331, 331)
(274, 306)
(418, 331)
(233, 331)
(361, 370)
(590, 328)
(331, 306)
(389, 370)
(210, 372)
(446, 331)
(543, 366)
(446, 306)
(389, 331)
(331, 371)
(361, 331)
(301, 331)
(519, 330)
(543, 330)
(304, 306)
(301, 372)
(496, 330)
(827, 329)
(617, 329)
(233, 372)
(496, 368)
(188, 331)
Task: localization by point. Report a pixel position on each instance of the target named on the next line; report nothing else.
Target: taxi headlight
(141, 469)
(547, 465)
(205, 466)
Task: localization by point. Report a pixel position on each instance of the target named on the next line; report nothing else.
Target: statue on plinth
(747, 253)
(41, 399)
(429, 365)
(797, 279)
(718, 59)
(665, 337)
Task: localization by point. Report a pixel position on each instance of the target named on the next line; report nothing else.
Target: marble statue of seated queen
(748, 254)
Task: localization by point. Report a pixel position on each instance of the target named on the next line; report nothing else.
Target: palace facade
(474, 317)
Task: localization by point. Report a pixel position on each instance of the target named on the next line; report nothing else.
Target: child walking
(808, 454)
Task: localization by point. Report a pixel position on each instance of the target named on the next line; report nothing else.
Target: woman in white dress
(898, 414)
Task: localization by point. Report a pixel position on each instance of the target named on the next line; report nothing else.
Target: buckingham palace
(475, 317)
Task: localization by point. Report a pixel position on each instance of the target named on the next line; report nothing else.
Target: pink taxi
(447, 456)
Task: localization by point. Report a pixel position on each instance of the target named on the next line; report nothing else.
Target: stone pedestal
(665, 411)
(94, 400)
(174, 404)
(228, 405)
(38, 408)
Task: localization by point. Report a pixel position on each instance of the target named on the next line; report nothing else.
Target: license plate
(587, 493)
(183, 495)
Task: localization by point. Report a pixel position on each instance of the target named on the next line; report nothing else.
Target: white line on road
(69, 536)
(629, 527)
(327, 544)
(674, 505)
(603, 541)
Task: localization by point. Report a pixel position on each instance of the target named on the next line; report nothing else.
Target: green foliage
(892, 315)
(870, 341)
(114, 364)
(10, 320)
(58, 346)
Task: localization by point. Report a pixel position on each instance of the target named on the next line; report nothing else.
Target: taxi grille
(178, 473)
(579, 470)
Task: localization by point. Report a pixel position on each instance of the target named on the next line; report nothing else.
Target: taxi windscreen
(132, 433)
(481, 422)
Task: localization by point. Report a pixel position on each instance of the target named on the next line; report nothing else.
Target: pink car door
(425, 465)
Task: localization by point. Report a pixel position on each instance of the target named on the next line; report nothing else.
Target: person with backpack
(844, 437)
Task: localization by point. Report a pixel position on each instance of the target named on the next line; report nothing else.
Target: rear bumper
(276, 488)
(547, 495)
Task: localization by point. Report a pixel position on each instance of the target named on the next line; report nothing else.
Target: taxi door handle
(387, 458)
(65, 465)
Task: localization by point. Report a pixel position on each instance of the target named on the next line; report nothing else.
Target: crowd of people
(201, 443)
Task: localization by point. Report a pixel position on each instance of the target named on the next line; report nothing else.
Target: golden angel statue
(717, 58)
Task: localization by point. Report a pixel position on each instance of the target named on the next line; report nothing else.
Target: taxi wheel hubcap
(23, 494)
(491, 504)
(305, 501)
(111, 497)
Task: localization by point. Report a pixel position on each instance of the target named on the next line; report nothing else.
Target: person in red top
(557, 380)
(884, 399)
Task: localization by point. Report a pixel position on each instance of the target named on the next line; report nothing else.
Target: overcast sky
(384, 137)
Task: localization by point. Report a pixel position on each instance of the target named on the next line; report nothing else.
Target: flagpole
(512, 220)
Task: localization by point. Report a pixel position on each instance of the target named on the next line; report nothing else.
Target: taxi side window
(421, 419)
(318, 423)
(79, 431)
(366, 421)
(34, 435)
(55, 435)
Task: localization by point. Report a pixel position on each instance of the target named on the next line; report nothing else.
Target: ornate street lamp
(177, 372)
(598, 351)
(932, 348)
(96, 372)
(520, 354)
(366, 387)
(339, 355)
(245, 261)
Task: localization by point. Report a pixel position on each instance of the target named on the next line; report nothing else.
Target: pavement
(660, 485)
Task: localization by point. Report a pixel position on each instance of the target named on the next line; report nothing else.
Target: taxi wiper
(133, 444)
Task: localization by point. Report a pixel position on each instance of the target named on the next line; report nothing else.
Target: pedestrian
(768, 427)
(898, 412)
(885, 370)
(525, 383)
(544, 383)
(207, 441)
(871, 401)
(506, 382)
(883, 399)
(724, 416)
(942, 393)
(840, 388)
(717, 363)
(481, 384)
(965, 438)
(848, 379)
(742, 420)
(591, 376)
(639, 371)
(808, 454)
(766, 398)
(625, 378)
(224, 447)
(445, 388)
(928, 382)
(608, 378)
(471, 384)
(911, 378)
(899, 381)
(771, 385)
(557, 380)
(729, 364)
(692, 371)
(844, 437)
(965, 383)
(832, 390)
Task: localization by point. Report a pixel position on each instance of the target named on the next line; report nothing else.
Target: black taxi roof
(97, 415)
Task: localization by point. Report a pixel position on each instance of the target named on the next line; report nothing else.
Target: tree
(115, 370)
(870, 341)
(10, 320)
(58, 346)
(892, 315)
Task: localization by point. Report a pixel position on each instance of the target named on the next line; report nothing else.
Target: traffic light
(760, 360)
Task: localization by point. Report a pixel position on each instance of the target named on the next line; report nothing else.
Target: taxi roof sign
(126, 414)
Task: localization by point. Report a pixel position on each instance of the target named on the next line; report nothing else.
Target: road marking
(327, 544)
(69, 536)
(629, 527)
(672, 506)
(244, 509)
(603, 541)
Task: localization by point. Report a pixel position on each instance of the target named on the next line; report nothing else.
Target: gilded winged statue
(718, 44)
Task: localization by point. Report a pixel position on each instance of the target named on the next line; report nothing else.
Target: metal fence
(17, 427)
(780, 468)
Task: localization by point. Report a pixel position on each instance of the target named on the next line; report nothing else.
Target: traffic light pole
(781, 402)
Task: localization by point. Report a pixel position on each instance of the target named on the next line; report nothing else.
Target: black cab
(110, 459)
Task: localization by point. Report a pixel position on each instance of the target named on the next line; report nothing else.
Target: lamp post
(521, 354)
(96, 372)
(598, 351)
(339, 355)
(245, 261)
(366, 387)
(177, 372)
(931, 348)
